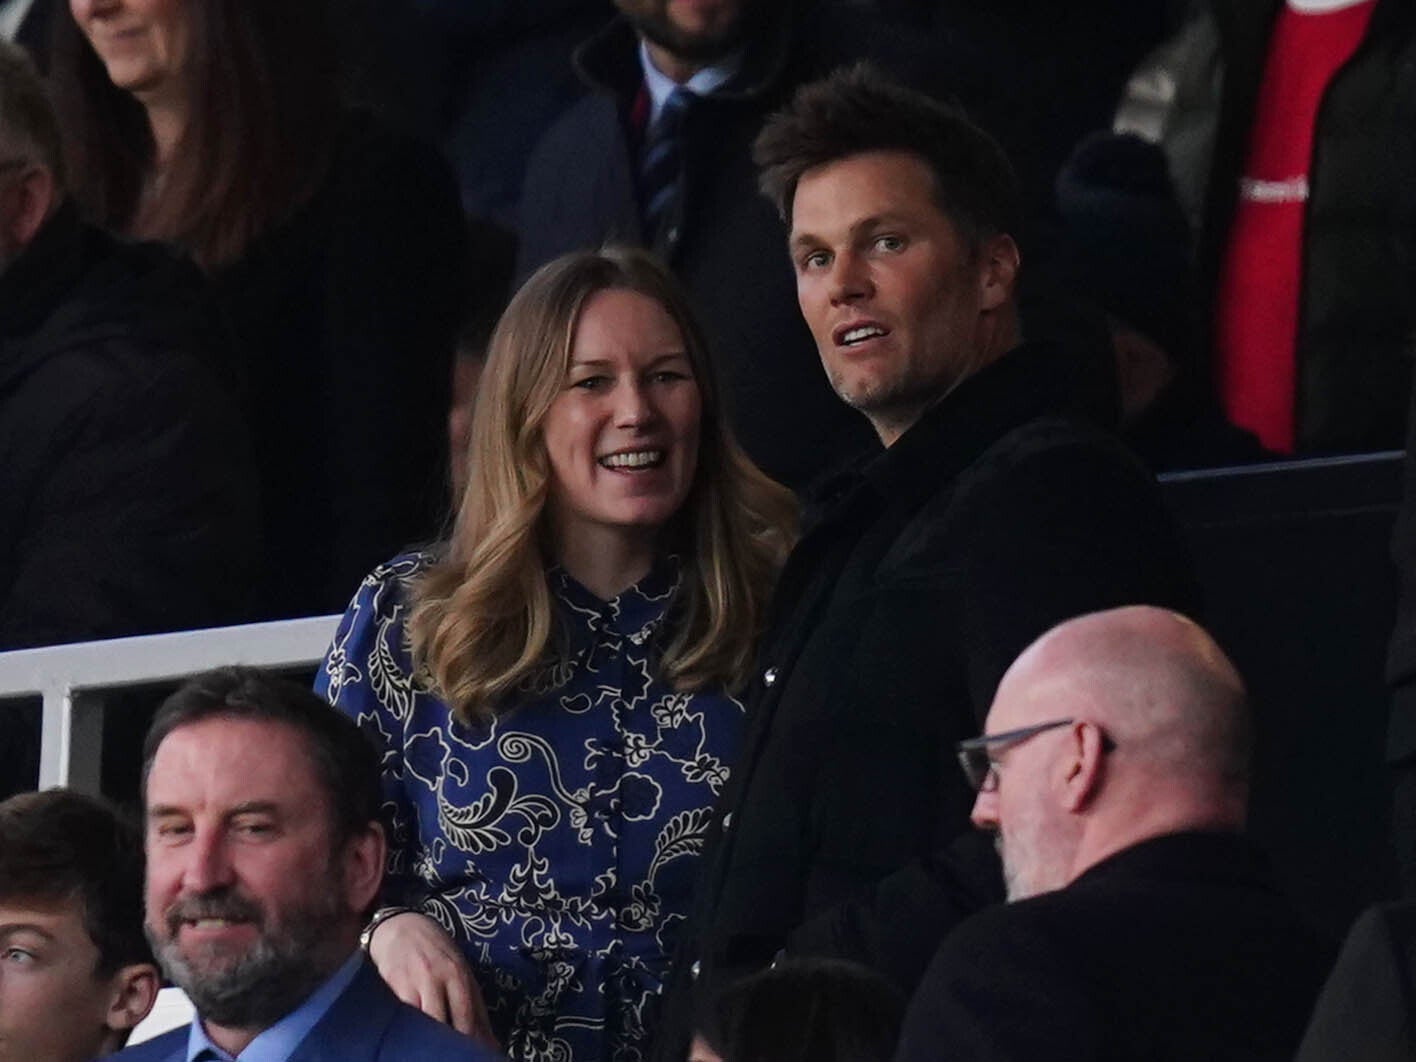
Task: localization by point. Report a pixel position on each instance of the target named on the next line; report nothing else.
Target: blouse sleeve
(367, 675)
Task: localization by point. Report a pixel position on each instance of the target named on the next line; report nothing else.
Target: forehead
(218, 763)
(618, 323)
(840, 194)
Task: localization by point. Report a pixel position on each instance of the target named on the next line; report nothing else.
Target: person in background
(1114, 772)
(1126, 249)
(128, 496)
(264, 853)
(924, 569)
(551, 688)
(76, 974)
(335, 246)
(658, 154)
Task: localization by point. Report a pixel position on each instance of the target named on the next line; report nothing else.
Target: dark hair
(27, 122)
(59, 846)
(262, 81)
(344, 758)
(857, 110)
(822, 1010)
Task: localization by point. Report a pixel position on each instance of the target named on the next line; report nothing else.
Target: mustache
(225, 904)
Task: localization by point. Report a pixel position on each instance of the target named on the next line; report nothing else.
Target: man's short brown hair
(858, 110)
(59, 847)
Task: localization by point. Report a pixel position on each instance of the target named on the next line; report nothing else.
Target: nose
(634, 405)
(208, 864)
(985, 810)
(850, 279)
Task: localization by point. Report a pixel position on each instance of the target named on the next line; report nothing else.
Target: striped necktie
(661, 164)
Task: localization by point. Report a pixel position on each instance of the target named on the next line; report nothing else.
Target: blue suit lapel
(353, 1029)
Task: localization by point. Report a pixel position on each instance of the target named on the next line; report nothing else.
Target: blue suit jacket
(367, 1023)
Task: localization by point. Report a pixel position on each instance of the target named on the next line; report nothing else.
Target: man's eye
(889, 243)
(172, 831)
(815, 260)
(17, 955)
(254, 829)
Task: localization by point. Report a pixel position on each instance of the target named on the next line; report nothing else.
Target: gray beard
(258, 988)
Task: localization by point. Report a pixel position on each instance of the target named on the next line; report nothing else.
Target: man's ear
(364, 866)
(1083, 773)
(133, 992)
(36, 191)
(1000, 261)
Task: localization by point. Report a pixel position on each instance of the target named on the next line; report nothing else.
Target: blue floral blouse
(558, 844)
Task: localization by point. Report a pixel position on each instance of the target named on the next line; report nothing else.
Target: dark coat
(845, 828)
(345, 317)
(1178, 948)
(1365, 1009)
(128, 500)
(1356, 326)
(366, 1023)
(727, 244)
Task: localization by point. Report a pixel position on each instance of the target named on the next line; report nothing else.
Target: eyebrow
(249, 807)
(807, 239)
(599, 363)
(8, 929)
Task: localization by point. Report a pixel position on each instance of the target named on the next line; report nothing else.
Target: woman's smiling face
(144, 44)
(622, 435)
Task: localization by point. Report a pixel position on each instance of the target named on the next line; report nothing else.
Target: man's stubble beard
(694, 48)
(258, 987)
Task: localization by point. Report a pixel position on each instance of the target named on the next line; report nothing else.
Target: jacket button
(695, 969)
(769, 677)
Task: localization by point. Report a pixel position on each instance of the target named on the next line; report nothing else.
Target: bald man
(1114, 772)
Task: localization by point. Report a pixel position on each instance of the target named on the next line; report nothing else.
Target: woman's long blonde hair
(482, 619)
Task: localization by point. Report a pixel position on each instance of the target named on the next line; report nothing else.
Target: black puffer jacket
(127, 497)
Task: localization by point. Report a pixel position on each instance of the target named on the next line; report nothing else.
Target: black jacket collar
(43, 274)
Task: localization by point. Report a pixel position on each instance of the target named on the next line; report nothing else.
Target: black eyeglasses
(975, 758)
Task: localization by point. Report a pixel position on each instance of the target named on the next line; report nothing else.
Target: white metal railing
(73, 680)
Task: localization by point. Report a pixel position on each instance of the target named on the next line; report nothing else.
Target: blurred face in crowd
(695, 31)
(893, 295)
(250, 900)
(55, 1005)
(144, 44)
(622, 435)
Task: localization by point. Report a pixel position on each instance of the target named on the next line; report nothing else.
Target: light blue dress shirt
(278, 1043)
(704, 83)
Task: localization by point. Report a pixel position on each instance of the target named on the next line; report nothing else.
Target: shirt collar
(704, 83)
(279, 1042)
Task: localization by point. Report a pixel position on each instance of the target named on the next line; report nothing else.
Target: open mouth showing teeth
(634, 459)
(861, 334)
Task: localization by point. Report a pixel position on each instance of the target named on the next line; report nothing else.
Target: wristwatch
(382, 915)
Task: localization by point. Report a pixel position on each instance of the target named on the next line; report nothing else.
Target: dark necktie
(661, 164)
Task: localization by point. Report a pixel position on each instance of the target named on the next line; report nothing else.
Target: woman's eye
(590, 383)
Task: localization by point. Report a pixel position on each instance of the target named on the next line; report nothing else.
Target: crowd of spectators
(510, 320)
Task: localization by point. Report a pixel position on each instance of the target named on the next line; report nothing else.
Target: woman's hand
(427, 970)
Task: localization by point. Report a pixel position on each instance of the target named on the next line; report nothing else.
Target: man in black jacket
(993, 511)
(1114, 770)
(127, 496)
(590, 181)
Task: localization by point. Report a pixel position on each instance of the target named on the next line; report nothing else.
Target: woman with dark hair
(335, 245)
(549, 687)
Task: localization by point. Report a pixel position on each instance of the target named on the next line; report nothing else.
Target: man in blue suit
(264, 852)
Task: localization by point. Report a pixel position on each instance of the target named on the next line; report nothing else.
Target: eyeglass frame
(980, 772)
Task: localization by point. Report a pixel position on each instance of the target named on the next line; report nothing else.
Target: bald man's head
(1159, 741)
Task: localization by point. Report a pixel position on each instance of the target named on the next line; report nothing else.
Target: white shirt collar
(704, 83)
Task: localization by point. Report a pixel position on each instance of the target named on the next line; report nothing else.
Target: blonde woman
(552, 688)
